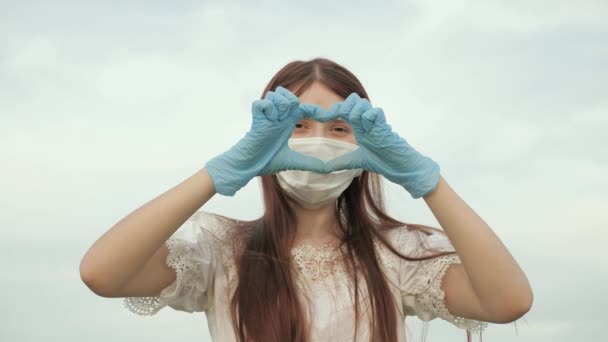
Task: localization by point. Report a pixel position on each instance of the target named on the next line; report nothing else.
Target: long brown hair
(265, 306)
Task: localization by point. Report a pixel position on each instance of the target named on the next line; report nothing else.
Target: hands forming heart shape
(381, 150)
(264, 149)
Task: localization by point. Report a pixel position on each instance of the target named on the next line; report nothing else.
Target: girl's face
(337, 129)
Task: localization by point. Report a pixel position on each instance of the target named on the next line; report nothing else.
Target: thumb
(351, 160)
(299, 161)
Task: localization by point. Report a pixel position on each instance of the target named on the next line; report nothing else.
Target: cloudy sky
(106, 105)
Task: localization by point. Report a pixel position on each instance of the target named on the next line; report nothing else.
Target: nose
(320, 130)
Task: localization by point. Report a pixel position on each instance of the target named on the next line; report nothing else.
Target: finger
(282, 104)
(319, 114)
(338, 110)
(341, 110)
(310, 110)
(299, 161)
(264, 108)
(292, 101)
(335, 111)
(356, 113)
(268, 94)
(351, 160)
(272, 115)
(372, 117)
(287, 94)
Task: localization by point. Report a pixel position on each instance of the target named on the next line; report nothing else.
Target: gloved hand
(264, 149)
(380, 149)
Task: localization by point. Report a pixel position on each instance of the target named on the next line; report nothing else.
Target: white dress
(202, 285)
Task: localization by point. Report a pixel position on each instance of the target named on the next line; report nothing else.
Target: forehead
(319, 94)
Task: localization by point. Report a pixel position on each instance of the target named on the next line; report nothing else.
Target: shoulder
(418, 239)
(219, 226)
(412, 240)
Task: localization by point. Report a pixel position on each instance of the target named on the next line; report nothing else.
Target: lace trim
(322, 270)
(145, 306)
(319, 269)
(178, 259)
(317, 263)
(432, 300)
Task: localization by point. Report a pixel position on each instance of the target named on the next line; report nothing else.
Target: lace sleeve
(421, 290)
(192, 255)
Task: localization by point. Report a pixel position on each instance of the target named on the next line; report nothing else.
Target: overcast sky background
(105, 105)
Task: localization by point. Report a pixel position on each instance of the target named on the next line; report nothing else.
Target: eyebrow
(338, 120)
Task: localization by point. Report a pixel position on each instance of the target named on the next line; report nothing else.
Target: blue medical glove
(380, 149)
(264, 149)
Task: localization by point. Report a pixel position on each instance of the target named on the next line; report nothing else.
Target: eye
(298, 124)
(343, 129)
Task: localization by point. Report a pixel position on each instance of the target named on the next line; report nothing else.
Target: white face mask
(311, 189)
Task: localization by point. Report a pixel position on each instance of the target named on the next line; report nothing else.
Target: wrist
(422, 182)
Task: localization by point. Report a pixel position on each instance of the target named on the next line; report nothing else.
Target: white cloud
(104, 106)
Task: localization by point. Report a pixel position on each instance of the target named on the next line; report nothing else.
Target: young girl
(325, 262)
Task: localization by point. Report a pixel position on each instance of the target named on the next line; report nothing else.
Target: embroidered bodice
(205, 275)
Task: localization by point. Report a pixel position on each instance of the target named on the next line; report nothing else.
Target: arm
(129, 259)
(134, 247)
(489, 285)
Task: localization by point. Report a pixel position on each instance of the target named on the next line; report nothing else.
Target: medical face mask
(311, 189)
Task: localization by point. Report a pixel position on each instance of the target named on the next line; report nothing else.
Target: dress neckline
(308, 248)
